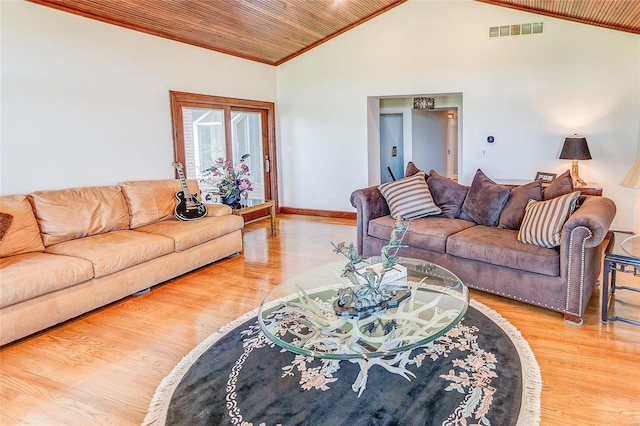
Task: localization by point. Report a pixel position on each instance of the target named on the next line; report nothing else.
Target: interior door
(391, 150)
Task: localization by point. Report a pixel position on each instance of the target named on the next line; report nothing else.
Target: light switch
(394, 151)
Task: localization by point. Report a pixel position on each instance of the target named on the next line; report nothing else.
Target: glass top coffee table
(299, 316)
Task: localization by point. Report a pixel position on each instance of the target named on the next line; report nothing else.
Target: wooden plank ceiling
(622, 15)
(274, 31)
(268, 31)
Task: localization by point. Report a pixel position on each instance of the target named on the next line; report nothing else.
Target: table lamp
(575, 148)
(632, 180)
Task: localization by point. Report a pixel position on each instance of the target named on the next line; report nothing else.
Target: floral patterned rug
(482, 372)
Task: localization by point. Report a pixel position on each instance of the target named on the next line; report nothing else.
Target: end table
(618, 258)
(251, 205)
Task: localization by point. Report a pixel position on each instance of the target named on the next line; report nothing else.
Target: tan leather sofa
(73, 250)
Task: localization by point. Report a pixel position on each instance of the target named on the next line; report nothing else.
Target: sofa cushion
(152, 201)
(116, 250)
(543, 220)
(429, 233)
(25, 276)
(72, 213)
(187, 234)
(23, 236)
(513, 212)
(409, 197)
(447, 194)
(500, 247)
(485, 200)
(561, 185)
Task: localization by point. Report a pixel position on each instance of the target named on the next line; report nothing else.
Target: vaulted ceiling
(274, 31)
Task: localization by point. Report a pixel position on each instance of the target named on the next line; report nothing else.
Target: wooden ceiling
(274, 31)
(622, 15)
(268, 31)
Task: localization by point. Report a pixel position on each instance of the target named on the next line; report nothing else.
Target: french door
(206, 128)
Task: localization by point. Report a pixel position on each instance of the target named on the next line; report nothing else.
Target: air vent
(515, 30)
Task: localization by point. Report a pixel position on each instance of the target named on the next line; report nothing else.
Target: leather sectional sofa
(73, 250)
(490, 256)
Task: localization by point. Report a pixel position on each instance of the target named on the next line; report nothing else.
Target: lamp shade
(632, 179)
(575, 148)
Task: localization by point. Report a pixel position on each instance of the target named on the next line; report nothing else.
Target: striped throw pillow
(543, 220)
(409, 197)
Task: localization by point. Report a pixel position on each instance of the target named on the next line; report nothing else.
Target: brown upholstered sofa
(489, 257)
(73, 250)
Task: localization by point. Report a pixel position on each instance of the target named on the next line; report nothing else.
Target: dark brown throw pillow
(447, 194)
(411, 169)
(5, 222)
(561, 185)
(485, 200)
(513, 212)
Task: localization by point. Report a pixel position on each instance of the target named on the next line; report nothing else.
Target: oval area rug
(481, 372)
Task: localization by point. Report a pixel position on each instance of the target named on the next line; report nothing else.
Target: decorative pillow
(5, 223)
(411, 169)
(485, 200)
(561, 185)
(513, 212)
(409, 197)
(447, 194)
(543, 220)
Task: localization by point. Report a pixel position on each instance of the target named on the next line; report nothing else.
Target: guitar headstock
(177, 165)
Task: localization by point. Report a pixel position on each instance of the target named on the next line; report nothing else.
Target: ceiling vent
(516, 30)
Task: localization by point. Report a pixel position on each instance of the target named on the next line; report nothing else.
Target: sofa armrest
(218, 210)
(581, 254)
(596, 214)
(369, 204)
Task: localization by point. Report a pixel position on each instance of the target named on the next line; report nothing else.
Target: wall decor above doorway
(424, 103)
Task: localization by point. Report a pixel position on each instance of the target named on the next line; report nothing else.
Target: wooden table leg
(273, 220)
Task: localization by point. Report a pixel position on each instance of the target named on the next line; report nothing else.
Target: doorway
(391, 147)
(434, 144)
(431, 138)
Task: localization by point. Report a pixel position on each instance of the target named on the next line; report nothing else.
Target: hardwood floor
(103, 368)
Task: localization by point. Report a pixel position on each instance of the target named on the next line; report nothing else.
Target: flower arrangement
(232, 182)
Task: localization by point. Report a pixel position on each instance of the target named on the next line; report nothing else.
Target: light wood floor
(103, 368)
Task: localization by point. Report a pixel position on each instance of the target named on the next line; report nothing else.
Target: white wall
(87, 103)
(529, 92)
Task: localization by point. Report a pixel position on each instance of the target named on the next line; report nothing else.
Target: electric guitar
(188, 207)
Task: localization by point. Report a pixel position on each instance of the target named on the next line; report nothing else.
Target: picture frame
(545, 177)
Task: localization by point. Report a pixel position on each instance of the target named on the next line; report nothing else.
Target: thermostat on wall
(490, 139)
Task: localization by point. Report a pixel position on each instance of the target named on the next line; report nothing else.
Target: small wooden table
(619, 256)
(251, 206)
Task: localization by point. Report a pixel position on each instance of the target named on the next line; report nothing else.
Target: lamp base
(575, 175)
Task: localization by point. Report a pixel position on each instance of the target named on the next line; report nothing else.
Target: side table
(250, 206)
(618, 259)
